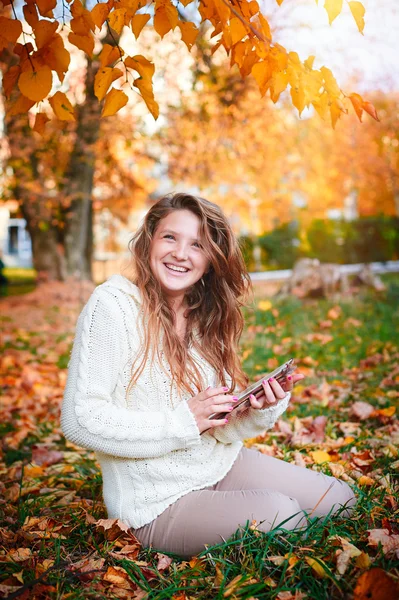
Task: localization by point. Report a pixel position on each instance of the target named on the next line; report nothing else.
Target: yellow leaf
(45, 6)
(145, 88)
(320, 456)
(138, 22)
(10, 30)
(264, 305)
(10, 79)
(321, 105)
(140, 64)
(387, 412)
(61, 106)
(44, 31)
(333, 8)
(279, 84)
(100, 13)
(21, 105)
(237, 30)
(40, 123)
(364, 480)
(317, 567)
(103, 79)
(109, 54)
(309, 62)
(262, 72)
(298, 97)
(265, 27)
(189, 33)
(363, 561)
(83, 42)
(36, 85)
(116, 19)
(114, 101)
(358, 12)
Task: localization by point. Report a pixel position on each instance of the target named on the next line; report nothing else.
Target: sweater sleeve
(89, 416)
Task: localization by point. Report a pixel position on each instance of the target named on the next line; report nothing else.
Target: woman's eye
(168, 235)
(197, 244)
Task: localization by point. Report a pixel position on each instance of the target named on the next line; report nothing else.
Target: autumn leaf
(36, 85)
(10, 78)
(46, 6)
(62, 107)
(117, 19)
(142, 65)
(333, 8)
(114, 101)
(375, 584)
(189, 33)
(83, 42)
(320, 456)
(109, 54)
(103, 79)
(10, 30)
(147, 94)
(357, 102)
(388, 541)
(358, 12)
(40, 123)
(99, 13)
(138, 22)
(44, 31)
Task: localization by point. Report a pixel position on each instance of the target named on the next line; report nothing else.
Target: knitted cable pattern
(147, 443)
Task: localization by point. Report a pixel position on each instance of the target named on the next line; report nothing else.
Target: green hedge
(367, 239)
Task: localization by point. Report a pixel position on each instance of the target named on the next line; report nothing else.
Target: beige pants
(258, 487)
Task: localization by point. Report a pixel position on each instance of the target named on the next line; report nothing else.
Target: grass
(349, 353)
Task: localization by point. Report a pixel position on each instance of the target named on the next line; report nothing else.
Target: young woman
(154, 357)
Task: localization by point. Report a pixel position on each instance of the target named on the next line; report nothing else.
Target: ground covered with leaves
(56, 541)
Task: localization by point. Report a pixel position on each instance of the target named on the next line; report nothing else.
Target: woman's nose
(180, 252)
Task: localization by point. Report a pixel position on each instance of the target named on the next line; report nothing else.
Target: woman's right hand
(208, 402)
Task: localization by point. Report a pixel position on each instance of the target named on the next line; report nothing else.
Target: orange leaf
(161, 21)
(109, 54)
(237, 29)
(140, 64)
(61, 106)
(36, 85)
(357, 102)
(45, 6)
(30, 14)
(100, 13)
(114, 101)
(262, 73)
(145, 88)
(116, 19)
(189, 33)
(44, 31)
(10, 79)
(358, 12)
(22, 105)
(370, 109)
(56, 56)
(10, 29)
(138, 22)
(40, 122)
(83, 42)
(103, 79)
(375, 584)
(387, 412)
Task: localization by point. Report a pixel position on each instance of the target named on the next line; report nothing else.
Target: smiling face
(177, 259)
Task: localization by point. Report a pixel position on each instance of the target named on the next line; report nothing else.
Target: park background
(293, 186)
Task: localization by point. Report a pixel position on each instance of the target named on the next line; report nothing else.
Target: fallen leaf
(375, 584)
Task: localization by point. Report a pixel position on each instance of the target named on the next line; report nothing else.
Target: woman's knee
(277, 510)
(339, 498)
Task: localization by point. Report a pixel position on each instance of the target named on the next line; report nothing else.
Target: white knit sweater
(148, 444)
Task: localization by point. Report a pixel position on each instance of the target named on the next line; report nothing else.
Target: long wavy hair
(214, 318)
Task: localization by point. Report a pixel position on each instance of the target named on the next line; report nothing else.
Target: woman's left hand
(274, 392)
